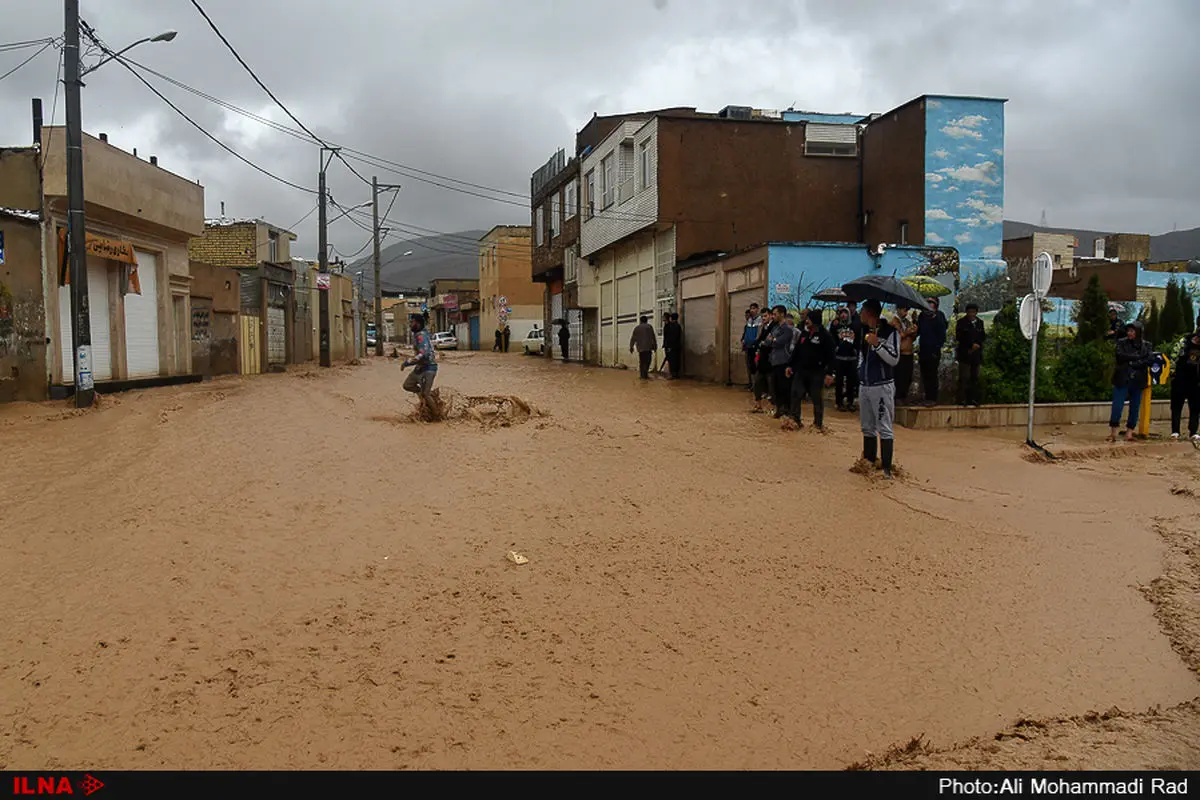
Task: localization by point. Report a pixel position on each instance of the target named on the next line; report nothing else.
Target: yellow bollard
(1143, 428)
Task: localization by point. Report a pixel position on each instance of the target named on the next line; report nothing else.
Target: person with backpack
(782, 342)
(1129, 380)
(1185, 384)
(811, 368)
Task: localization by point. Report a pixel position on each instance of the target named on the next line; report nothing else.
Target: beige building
(139, 219)
(1022, 252)
(507, 293)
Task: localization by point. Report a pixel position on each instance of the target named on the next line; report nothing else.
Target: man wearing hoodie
(811, 368)
(1129, 379)
(750, 332)
(1185, 384)
(847, 339)
(762, 359)
(781, 353)
(876, 375)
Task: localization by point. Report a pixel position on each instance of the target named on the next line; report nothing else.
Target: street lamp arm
(165, 36)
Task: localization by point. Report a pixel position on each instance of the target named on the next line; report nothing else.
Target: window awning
(101, 247)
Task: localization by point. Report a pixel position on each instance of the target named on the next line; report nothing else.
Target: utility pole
(81, 329)
(375, 187)
(323, 262)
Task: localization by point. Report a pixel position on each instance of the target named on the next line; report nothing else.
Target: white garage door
(99, 313)
(276, 335)
(141, 320)
(699, 338)
(627, 317)
(608, 353)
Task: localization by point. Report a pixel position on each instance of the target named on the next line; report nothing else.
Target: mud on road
(286, 571)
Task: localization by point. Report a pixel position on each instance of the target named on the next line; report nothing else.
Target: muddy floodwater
(287, 571)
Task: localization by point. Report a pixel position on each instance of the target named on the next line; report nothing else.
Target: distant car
(445, 341)
(371, 340)
(534, 342)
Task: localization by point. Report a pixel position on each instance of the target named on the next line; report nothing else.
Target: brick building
(507, 293)
(261, 253)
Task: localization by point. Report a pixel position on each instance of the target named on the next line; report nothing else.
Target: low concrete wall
(1016, 414)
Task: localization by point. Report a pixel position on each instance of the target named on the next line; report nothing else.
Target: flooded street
(284, 571)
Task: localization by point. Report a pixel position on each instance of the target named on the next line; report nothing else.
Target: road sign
(322, 280)
(1043, 274)
(1031, 316)
(503, 300)
(783, 288)
(424, 307)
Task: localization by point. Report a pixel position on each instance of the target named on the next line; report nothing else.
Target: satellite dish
(1031, 316)
(1043, 274)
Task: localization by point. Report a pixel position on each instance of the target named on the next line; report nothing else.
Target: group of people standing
(1134, 358)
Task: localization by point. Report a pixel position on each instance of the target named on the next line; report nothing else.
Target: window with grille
(589, 195)
(822, 139)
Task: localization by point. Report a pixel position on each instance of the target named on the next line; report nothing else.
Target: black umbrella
(831, 295)
(884, 288)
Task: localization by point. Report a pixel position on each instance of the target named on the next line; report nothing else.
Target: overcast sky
(1102, 118)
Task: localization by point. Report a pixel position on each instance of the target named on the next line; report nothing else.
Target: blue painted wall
(964, 184)
(811, 116)
(813, 266)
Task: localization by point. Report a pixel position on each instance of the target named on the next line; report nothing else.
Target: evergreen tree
(1091, 313)
(1170, 323)
(1187, 309)
(1004, 376)
(1152, 322)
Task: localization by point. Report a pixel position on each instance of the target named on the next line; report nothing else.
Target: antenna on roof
(222, 209)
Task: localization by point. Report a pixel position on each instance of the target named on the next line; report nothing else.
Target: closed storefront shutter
(575, 323)
(739, 373)
(627, 318)
(141, 321)
(98, 310)
(276, 335)
(699, 321)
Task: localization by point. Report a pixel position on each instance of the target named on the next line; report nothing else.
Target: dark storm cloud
(1102, 110)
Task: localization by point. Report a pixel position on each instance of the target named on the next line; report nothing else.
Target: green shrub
(1004, 376)
(1083, 372)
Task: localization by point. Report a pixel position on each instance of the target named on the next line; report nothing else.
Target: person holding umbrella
(564, 339)
(877, 385)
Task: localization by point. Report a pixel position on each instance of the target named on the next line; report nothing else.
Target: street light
(81, 330)
(165, 36)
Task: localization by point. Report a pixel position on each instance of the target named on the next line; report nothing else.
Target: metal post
(378, 293)
(323, 266)
(1032, 381)
(81, 330)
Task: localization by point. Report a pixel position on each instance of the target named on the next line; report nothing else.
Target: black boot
(886, 446)
(869, 443)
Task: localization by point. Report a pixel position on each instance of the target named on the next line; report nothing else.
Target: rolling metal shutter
(575, 324)
(627, 318)
(699, 320)
(608, 354)
(98, 310)
(830, 133)
(141, 321)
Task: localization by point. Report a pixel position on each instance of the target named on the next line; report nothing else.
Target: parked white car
(445, 341)
(534, 342)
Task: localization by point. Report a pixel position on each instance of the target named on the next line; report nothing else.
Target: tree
(1084, 371)
(1005, 372)
(1170, 321)
(1091, 313)
(1152, 322)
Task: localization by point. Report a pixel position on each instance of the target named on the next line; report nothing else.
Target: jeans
(904, 376)
(1181, 393)
(781, 390)
(846, 383)
(968, 383)
(929, 378)
(1132, 393)
(810, 384)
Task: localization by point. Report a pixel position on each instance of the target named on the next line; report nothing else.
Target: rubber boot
(869, 443)
(886, 446)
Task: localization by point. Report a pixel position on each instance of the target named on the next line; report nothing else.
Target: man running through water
(420, 382)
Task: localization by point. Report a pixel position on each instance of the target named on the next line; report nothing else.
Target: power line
(8, 46)
(271, 94)
(45, 47)
(53, 109)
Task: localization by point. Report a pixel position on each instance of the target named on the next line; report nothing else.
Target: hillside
(450, 255)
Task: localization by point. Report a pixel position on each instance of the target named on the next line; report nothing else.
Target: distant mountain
(448, 255)
(1174, 246)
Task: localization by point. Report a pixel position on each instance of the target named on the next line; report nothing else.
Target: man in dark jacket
(970, 336)
(847, 338)
(876, 373)
(1130, 378)
(931, 338)
(646, 343)
(507, 336)
(673, 343)
(750, 333)
(1115, 328)
(1185, 384)
(811, 368)
(781, 344)
(564, 341)
(762, 357)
